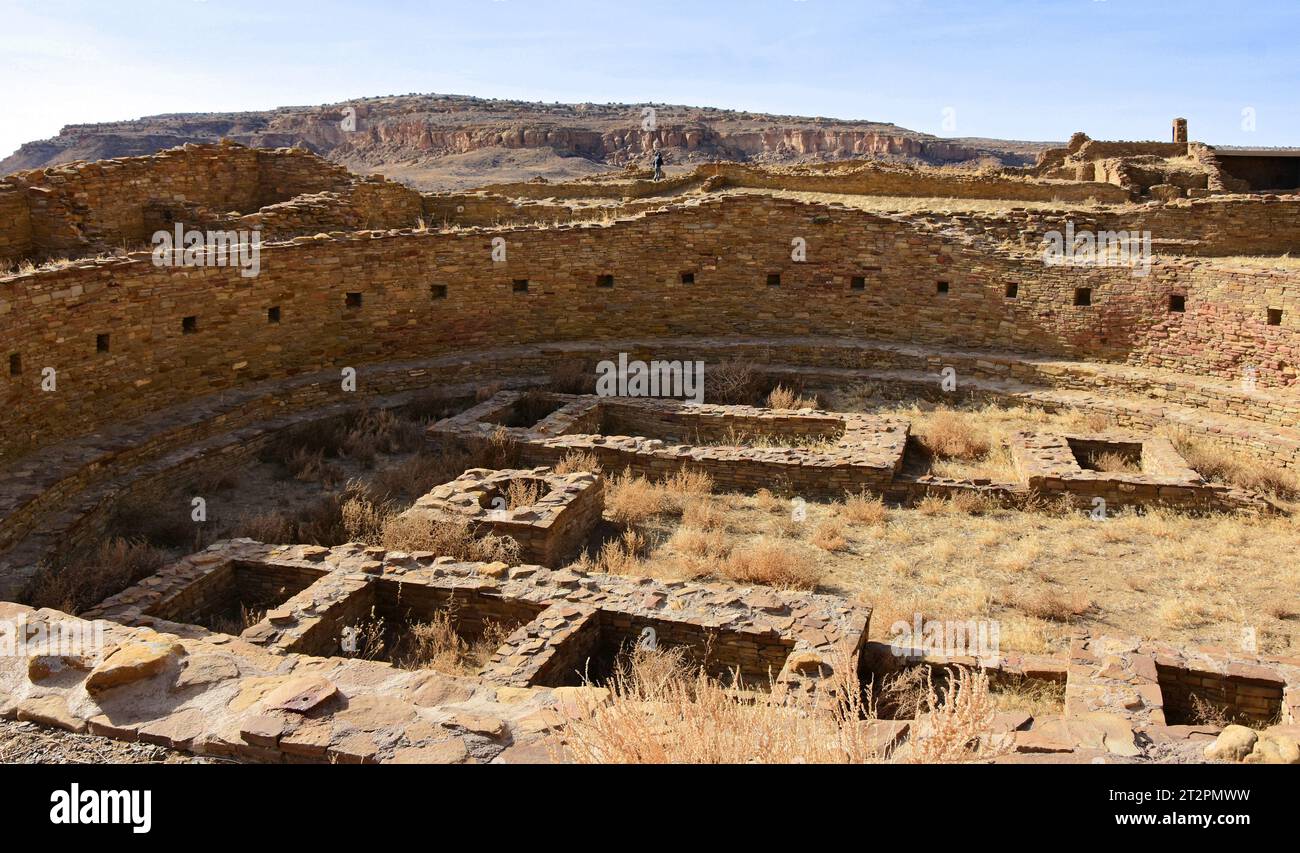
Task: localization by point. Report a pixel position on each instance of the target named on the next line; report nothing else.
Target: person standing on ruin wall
(659, 164)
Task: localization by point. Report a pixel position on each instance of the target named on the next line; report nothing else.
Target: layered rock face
(396, 130)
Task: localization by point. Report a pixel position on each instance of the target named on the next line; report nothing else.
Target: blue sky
(1117, 69)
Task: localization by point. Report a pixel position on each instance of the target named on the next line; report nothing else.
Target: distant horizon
(1021, 72)
(362, 98)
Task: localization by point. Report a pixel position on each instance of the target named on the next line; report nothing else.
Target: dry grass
(772, 563)
(662, 711)
(1037, 697)
(576, 462)
(438, 645)
(1220, 465)
(732, 383)
(1041, 572)
(784, 398)
(631, 499)
(864, 509)
(452, 538)
(952, 435)
(829, 535)
(1055, 605)
(1115, 463)
(523, 493)
(87, 579)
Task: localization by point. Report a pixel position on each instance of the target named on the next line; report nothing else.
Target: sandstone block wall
(421, 294)
(15, 224)
(1215, 226)
(81, 208)
(870, 179)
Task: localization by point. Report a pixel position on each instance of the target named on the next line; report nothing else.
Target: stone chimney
(1180, 130)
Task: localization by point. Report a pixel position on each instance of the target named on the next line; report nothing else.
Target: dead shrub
(572, 377)
(85, 579)
(1055, 606)
(522, 493)
(952, 435)
(864, 509)
(497, 450)
(702, 545)
(662, 710)
(1221, 465)
(453, 538)
(732, 382)
(772, 563)
(782, 397)
(703, 514)
(577, 462)
(622, 556)
(438, 645)
(630, 499)
(213, 482)
(956, 722)
(418, 474)
(829, 535)
(161, 520)
(270, 527)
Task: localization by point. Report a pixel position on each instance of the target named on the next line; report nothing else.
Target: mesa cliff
(435, 141)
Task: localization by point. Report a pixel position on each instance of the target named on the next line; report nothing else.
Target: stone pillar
(1180, 130)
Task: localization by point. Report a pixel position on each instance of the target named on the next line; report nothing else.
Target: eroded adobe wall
(422, 295)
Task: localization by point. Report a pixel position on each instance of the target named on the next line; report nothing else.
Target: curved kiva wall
(117, 336)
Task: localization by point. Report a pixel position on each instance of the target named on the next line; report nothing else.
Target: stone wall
(873, 179)
(80, 208)
(421, 294)
(863, 178)
(15, 225)
(1216, 226)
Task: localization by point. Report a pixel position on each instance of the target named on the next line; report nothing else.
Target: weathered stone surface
(1233, 744)
(446, 752)
(1274, 749)
(301, 694)
(50, 711)
(132, 662)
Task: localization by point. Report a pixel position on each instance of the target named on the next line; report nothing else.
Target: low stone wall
(549, 530)
(794, 640)
(863, 453)
(874, 179)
